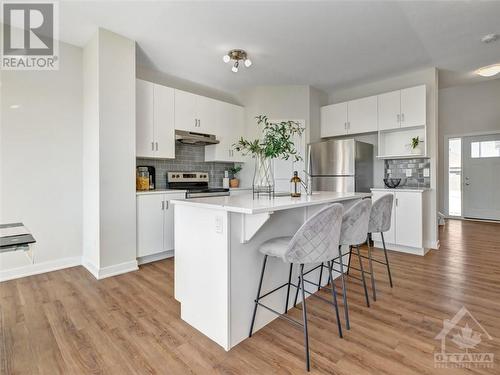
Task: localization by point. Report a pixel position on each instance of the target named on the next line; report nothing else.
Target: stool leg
(288, 289)
(349, 260)
(363, 276)
(386, 259)
(334, 295)
(304, 317)
(296, 293)
(344, 291)
(320, 276)
(370, 264)
(258, 295)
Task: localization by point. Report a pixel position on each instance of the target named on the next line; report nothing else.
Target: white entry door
(481, 172)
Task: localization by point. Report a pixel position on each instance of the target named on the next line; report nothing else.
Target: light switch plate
(427, 172)
(408, 173)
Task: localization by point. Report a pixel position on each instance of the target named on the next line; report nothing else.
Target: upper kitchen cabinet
(155, 136)
(333, 120)
(362, 115)
(402, 108)
(195, 113)
(229, 128)
(413, 106)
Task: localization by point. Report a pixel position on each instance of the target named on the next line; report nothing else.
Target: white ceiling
(325, 44)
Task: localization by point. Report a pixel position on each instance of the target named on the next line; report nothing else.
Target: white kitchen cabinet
(333, 120)
(406, 233)
(195, 113)
(362, 115)
(155, 223)
(229, 128)
(389, 110)
(155, 136)
(402, 108)
(413, 106)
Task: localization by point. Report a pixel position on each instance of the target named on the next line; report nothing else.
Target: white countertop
(402, 189)
(245, 203)
(160, 191)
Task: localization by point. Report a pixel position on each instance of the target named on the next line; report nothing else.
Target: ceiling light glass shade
(248, 62)
(226, 58)
(235, 68)
(488, 71)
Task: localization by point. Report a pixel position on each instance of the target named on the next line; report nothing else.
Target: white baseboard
(155, 257)
(402, 249)
(38, 268)
(432, 245)
(114, 270)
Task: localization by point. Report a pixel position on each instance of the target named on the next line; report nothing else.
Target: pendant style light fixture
(237, 55)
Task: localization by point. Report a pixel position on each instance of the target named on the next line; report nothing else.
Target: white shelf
(393, 144)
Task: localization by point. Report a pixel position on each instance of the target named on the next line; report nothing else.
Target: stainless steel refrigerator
(341, 165)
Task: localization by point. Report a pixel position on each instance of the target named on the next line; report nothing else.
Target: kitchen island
(217, 262)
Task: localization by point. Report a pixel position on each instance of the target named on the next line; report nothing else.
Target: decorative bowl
(392, 183)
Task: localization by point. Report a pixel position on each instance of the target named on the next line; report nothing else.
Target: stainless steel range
(196, 184)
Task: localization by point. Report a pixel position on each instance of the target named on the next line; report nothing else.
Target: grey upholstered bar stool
(380, 222)
(354, 232)
(316, 241)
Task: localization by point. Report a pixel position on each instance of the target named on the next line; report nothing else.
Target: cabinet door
(389, 110)
(334, 120)
(150, 216)
(168, 228)
(164, 120)
(409, 219)
(413, 106)
(144, 135)
(206, 113)
(362, 115)
(390, 235)
(185, 111)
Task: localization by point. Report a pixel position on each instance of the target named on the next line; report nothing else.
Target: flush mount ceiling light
(237, 55)
(488, 71)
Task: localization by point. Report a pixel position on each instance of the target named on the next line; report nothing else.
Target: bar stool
(380, 222)
(316, 241)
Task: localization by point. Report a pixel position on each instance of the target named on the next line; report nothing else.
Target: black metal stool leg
(363, 276)
(386, 259)
(344, 291)
(296, 293)
(349, 260)
(258, 295)
(320, 276)
(370, 264)
(334, 295)
(288, 288)
(304, 318)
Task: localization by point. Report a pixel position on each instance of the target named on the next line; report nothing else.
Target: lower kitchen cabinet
(155, 223)
(407, 232)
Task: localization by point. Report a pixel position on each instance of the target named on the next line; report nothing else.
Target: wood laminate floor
(66, 322)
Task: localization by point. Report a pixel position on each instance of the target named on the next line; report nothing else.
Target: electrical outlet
(427, 172)
(218, 224)
(408, 173)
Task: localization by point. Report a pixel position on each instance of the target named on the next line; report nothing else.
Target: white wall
(428, 77)
(109, 155)
(467, 109)
(41, 154)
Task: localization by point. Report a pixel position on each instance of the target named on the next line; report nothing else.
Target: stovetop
(196, 183)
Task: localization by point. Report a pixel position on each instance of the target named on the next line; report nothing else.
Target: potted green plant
(415, 145)
(234, 182)
(277, 142)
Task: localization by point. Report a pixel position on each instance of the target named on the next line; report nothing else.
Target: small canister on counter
(295, 185)
(142, 179)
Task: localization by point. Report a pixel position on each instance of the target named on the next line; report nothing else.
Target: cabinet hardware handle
(166, 202)
(152, 146)
(162, 205)
(195, 122)
(397, 202)
(199, 123)
(156, 146)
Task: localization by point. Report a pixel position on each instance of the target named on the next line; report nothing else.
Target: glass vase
(263, 179)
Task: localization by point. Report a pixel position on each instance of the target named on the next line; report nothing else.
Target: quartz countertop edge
(160, 191)
(245, 204)
(420, 189)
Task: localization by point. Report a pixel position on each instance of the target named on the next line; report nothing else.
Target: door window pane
(485, 149)
(455, 176)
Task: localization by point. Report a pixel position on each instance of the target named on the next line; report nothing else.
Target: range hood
(193, 138)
